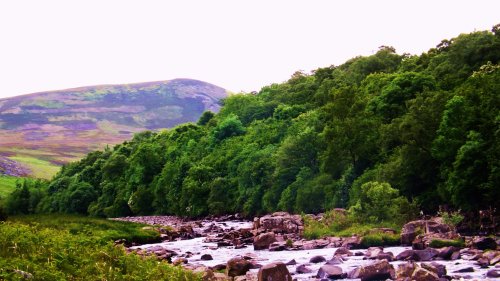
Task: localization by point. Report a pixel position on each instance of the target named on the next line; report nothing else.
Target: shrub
(379, 202)
(451, 218)
(76, 248)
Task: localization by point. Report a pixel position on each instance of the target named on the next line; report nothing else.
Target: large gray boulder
(273, 272)
(262, 241)
(380, 270)
(279, 222)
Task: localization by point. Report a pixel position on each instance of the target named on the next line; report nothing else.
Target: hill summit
(42, 131)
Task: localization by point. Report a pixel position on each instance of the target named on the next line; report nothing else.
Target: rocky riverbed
(247, 250)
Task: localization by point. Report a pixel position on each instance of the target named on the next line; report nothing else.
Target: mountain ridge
(47, 129)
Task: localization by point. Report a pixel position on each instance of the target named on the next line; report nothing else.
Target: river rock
(389, 256)
(206, 273)
(484, 243)
(493, 273)
(447, 252)
(237, 266)
(277, 246)
(440, 269)
(353, 242)
(262, 241)
(317, 259)
(274, 271)
(343, 251)
(405, 270)
(335, 260)
(372, 252)
(418, 255)
(180, 261)
(206, 257)
(380, 270)
(411, 230)
(422, 274)
(330, 272)
(279, 222)
(301, 269)
(464, 270)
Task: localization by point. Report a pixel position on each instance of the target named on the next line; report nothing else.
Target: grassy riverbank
(66, 247)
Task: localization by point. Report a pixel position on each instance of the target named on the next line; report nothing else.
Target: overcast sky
(238, 45)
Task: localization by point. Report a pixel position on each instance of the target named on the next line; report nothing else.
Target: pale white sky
(238, 45)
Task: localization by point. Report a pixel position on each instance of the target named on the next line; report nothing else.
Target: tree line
(420, 129)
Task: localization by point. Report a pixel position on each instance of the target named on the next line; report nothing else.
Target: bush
(451, 218)
(77, 248)
(379, 202)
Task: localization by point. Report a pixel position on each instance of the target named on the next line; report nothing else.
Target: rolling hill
(40, 132)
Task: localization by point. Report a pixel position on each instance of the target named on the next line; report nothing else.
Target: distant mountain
(41, 131)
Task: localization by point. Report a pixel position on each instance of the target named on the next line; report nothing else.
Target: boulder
(180, 261)
(411, 230)
(279, 222)
(206, 257)
(353, 242)
(343, 251)
(464, 270)
(237, 266)
(335, 260)
(274, 271)
(389, 256)
(493, 273)
(446, 252)
(277, 246)
(484, 243)
(330, 272)
(206, 273)
(440, 268)
(418, 255)
(380, 270)
(262, 241)
(372, 252)
(405, 270)
(422, 274)
(301, 269)
(317, 259)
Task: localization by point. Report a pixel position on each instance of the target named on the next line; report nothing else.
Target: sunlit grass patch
(40, 168)
(7, 185)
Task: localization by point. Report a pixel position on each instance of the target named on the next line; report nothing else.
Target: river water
(194, 248)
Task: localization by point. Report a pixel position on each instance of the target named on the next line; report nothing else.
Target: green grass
(339, 225)
(380, 239)
(7, 185)
(440, 243)
(62, 247)
(101, 229)
(40, 168)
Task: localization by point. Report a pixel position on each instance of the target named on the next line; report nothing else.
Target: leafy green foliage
(379, 135)
(76, 248)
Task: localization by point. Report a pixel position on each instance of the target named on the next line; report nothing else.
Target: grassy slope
(42, 131)
(65, 247)
(7, 185)
(40, 168)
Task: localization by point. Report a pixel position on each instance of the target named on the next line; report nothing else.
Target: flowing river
(193, 249)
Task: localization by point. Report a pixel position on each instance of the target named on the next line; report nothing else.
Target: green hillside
(394, 129)
(42, 131)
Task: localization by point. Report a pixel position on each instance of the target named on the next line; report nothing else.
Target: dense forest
(422, 130)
